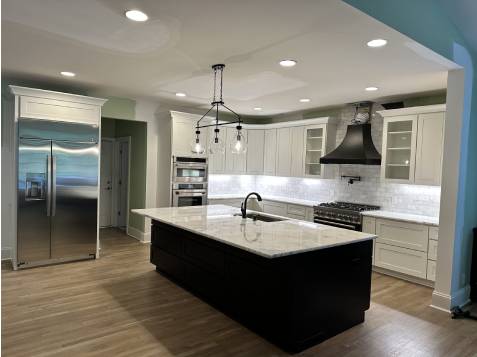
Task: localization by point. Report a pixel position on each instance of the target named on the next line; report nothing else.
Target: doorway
(114, 182)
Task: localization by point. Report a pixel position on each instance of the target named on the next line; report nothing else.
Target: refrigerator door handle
(53, 186)
(48, 185)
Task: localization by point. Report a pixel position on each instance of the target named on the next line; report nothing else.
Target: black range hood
(357, 147)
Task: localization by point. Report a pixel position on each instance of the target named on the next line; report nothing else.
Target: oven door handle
(194, 194)
(323, 221)
(188, 166)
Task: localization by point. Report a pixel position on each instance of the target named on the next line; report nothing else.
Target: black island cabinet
(295, 301)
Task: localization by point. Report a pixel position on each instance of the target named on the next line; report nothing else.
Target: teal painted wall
(427, 22)
(116, 128)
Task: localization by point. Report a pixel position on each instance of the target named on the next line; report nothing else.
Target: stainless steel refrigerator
(57, 192)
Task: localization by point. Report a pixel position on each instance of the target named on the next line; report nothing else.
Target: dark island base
(294, 301)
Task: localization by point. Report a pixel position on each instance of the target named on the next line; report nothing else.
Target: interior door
(74, 199)
(106, 183)
(33, 231)
(123, 183)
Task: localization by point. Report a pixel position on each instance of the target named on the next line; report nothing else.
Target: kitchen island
(295, 283)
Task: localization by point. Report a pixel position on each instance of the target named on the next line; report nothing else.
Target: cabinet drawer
(431, 270)
(296, 210)
(369, 225)
(432, 253)
(203, 256)
(279, 209)
(402, 234)
(434, 233)
(402, 260)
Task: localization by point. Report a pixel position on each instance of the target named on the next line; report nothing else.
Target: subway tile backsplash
(414, 199)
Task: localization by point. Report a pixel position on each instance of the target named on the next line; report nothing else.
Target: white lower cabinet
(402, 234)
(277, 208)
(369, 226)
(403, 260)
(234, 202)
(431, 270)
(403, 247)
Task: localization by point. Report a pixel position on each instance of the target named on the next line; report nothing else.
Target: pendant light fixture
(217, 146)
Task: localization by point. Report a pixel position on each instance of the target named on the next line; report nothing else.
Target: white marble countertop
(268, 239)
(295, 201)
(414, 218)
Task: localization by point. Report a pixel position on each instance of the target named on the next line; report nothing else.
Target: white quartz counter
(268, 198)
(413, 218)
(268, 239)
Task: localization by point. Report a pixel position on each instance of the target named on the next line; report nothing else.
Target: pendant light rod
(218, 101)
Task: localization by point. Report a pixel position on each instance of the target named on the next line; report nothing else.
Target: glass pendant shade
(197, 147)
(217, 146)
(239, 146)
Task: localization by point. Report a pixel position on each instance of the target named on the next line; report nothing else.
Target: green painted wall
(116, 128)
(119, 108)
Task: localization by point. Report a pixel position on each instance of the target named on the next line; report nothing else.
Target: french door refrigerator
(57, 192)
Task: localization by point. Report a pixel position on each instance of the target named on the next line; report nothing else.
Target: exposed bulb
(239, 146)
(217, 146)
(197, 147)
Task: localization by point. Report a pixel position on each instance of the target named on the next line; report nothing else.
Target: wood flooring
(120, 306)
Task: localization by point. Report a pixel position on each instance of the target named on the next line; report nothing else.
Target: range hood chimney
(357, 146)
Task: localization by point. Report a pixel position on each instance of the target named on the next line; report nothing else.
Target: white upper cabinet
(284, 152)
(412, 144)
(270, 152)
(296, 166)
(399, 148)
(183, 134)
(49, 105)
(315, 148)
(255, 151)
(430, 136)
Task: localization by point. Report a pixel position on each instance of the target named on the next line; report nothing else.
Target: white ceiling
(173, 51)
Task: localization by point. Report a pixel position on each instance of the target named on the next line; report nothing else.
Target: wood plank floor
(119, 306)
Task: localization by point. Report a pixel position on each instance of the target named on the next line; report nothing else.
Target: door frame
(115, 194)
(112, 141)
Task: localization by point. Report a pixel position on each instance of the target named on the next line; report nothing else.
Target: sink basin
(263, 218)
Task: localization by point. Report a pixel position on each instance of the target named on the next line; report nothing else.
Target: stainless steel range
(341, 214)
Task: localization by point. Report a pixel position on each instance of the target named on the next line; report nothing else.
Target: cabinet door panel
(402, 234)
(270, 151)
(255, 142)
(402, 260)
(279, 209)
(234, 163)
(297, 149)
(283, 151)
(430, 136)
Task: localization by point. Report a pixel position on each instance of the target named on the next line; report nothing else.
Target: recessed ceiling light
(257, 108)
(287, 63)
(179, 94)
(379, 42)
(67, 74)
(305, 100)
(371, 89)
(136, 15)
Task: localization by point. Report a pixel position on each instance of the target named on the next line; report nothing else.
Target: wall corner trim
(445, 302)
(143, 237)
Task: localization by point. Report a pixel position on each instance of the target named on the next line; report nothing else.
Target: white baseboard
(143, 237)
(7, 253)
(445, 302)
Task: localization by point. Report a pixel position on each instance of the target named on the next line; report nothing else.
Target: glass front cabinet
(315, 148)
(399, 146)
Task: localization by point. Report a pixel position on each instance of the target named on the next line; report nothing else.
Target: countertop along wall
(415, 199)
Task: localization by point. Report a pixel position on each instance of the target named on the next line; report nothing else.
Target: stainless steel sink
(262, 217)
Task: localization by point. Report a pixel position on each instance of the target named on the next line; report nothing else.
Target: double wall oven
(189, 181)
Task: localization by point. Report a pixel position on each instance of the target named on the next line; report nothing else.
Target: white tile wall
(415, 199)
